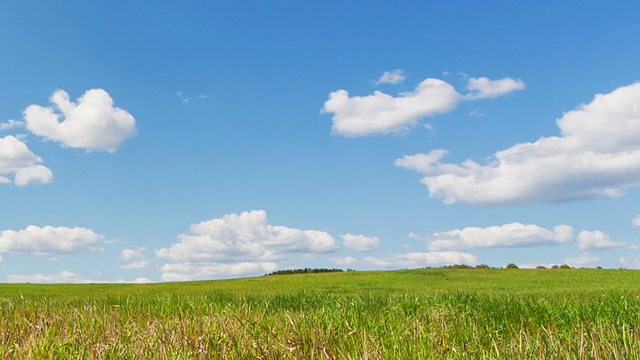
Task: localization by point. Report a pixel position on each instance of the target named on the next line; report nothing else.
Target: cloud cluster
(50, 241)
(381, 113)
(597, 155)
(239, 244)
(91, 123)
(508, 235)
(16, 159)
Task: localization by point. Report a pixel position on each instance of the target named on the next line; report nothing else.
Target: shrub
(511, 266)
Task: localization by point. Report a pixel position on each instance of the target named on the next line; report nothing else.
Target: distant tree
(511, 266)
(565, 266)
(555, 267)
(482, 266)
(540, 267)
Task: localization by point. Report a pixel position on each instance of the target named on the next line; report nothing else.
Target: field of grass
(410, 314)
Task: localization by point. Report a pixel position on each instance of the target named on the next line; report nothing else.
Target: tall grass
(320, 324)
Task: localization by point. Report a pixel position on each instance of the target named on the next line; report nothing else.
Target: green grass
(411, 314)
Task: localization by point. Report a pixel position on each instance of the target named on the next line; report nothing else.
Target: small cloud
(11, 124)
(202, 96)
(484, 87)
(391, 77)
(140, 264)
(361, 243)
(636, 221)
(476, 113)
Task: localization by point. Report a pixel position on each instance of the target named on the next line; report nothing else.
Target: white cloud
(596, 240)
(361, 242)
(10, 124)
(240, 244)
(135, 257)
(597, 155)
(1, 258)
(584, 260)
(16, 159)
(49, 241)
(66, 277)
(391, 77)
(484, 87)
(382, 113)
(132, 254)
(422, 259)
(636, 221)
(514, 234)
(91, 123)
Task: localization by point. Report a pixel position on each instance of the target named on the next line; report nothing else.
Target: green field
(410, 314)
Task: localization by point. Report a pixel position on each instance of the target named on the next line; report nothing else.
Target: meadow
(410, 314)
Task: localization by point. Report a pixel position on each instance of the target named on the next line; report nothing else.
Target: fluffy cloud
(422, 259)
(484, 87)
(596, 240)
(49, 241)
(132, 254)
(91, 123)
(239, 244)
(597, 155)
(10, 124)
(135, 257)
(66, 277)
(361, 242)
(382, 113)
(391, 77)
(636, 221)
(514, 234)
(16, 159)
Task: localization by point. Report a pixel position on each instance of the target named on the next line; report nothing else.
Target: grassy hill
(409, 314)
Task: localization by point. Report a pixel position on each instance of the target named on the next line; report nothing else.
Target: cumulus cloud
(239, 244)
(50, 241)
(391, 77)
(484, 87)
(597, 155)
(10, 124)
(135, 257)
(66, 277)
(514, 234)
(382, 113)
(596, 240)
(16, 159)
(422, 259)
(91, 123)
(361, 243)
(636, 221)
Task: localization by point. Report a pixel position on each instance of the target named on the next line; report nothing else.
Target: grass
(411, 314)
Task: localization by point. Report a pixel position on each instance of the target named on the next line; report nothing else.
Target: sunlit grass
(418, 314)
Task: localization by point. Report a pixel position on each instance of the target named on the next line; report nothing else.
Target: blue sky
(212, 140)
